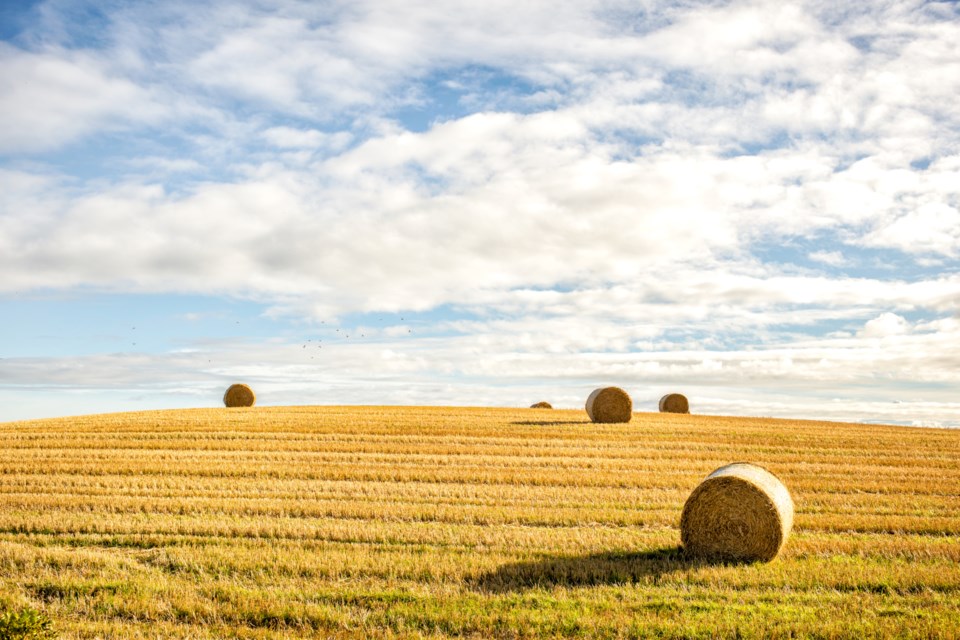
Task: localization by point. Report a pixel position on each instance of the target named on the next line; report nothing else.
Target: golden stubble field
(289, 522)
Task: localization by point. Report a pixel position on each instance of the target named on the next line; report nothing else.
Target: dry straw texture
(239, 395)
(674, 403)
(541, 405)
(293, 522)
(740, 512)
(609, 404)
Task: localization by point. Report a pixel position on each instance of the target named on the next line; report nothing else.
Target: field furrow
(292, 522)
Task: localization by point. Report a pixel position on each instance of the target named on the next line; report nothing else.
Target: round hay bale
(239, 395)
(609, 404)
(541, 405)
(739, 512)
(674, 403)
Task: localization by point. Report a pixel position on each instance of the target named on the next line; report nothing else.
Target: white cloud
(490, 202)
(291, 138)
(314, 60)
(604, 182)
(281, 62)
(53, 97)
(831, 258)
(886, 324)
(931, 227)
(162, 165)
(750, 39)
(852, 378)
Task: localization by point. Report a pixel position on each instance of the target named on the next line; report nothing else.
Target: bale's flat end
(740, 512)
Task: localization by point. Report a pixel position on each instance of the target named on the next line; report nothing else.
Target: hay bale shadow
(596, 569)
(547, 423)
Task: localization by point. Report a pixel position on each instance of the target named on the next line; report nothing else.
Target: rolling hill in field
(288, 522)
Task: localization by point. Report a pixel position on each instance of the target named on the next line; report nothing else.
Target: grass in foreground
(431, 522)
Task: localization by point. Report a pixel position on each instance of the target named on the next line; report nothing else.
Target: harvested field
(288, 522)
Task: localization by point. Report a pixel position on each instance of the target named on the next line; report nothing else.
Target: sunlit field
(289, 522)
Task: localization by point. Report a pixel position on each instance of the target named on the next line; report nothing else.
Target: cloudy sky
(756, 204)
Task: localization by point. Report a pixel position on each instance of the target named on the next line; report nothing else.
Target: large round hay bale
(541, 405)
(739, 512)
(609, 404)
(674, 403)
(239, 395)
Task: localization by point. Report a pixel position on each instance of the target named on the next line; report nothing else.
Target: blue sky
(756, 204)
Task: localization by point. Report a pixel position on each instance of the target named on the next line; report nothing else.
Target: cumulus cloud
(55, 96)
(886, 324)
(653, 194)
(930, 228)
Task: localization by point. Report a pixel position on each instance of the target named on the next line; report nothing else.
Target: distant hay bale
(239, 395)
(739, 512)
(541, 405)
(609, 404)
(674, 403)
